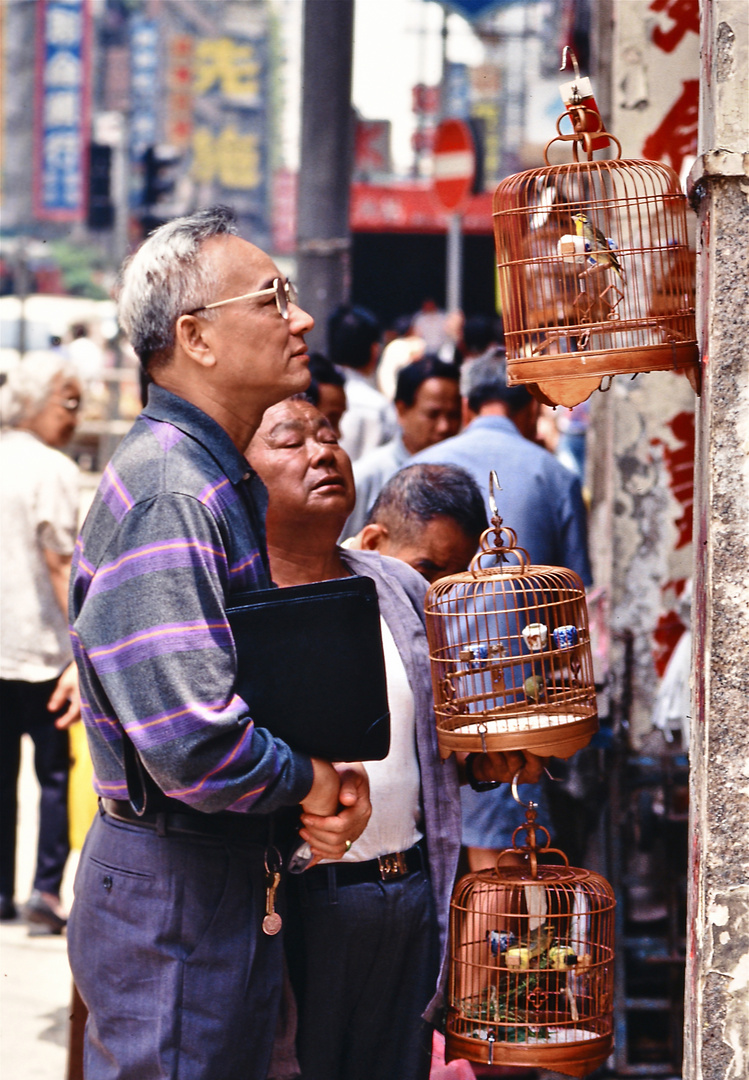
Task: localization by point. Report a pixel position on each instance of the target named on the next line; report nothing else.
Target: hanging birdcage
(510, 653)
(531, 962)
(595, 273)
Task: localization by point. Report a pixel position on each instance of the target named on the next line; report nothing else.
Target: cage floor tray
(556, 735)
(573, 1057)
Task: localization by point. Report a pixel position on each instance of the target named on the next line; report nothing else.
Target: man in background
(429, 516)
(38, 681)
(402, 349)
(327, 390)
(538, 497)
(542, 501)
(354, 346)
(427, 400)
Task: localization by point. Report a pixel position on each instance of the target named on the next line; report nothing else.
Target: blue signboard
(62, 109)
(144, 85)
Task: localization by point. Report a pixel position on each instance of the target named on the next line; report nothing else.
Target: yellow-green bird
(599, 248)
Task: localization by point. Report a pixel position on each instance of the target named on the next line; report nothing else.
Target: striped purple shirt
(176, 529)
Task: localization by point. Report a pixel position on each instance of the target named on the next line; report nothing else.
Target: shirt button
(246, 476)
(107, 882)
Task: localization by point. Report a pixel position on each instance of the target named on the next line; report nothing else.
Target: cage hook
(494, 479)
(568, 53)
(528, 805)
(605, 389)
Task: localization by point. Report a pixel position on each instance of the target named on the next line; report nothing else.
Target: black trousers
(23, 711)
(364, 961)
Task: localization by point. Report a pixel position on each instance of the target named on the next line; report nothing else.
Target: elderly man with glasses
(169, 945)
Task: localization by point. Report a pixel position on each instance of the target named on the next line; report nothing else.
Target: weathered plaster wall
(642, 437)
(642, 528)
(717, 993)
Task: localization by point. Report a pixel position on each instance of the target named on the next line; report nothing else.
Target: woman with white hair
(39, 404)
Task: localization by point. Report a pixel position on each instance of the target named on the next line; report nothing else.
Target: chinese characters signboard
(230, 124)
(61, 108)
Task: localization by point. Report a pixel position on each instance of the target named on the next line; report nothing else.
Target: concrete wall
(717, 993)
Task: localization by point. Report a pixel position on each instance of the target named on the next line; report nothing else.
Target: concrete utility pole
(323, 238)
(717, 987)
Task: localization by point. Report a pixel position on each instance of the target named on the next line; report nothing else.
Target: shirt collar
(401, 455)
(189, 419)
(494, 422)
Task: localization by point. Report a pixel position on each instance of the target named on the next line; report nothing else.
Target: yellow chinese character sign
(229, 66)
(229, 157)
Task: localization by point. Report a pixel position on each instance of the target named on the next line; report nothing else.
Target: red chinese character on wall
(676, 135)
(679, 462)
(685, 15)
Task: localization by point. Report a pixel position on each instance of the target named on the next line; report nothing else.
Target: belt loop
(161, 824)
(332, 884)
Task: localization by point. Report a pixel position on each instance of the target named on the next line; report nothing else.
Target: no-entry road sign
(454, 164)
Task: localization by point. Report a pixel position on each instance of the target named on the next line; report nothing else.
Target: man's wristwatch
(478, 785)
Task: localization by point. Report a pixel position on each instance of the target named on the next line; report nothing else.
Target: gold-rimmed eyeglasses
(283, 289)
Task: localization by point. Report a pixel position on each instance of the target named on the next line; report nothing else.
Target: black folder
(311, 668)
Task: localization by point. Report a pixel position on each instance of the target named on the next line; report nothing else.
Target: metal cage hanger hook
(493, 482)
(568, 54)
(528, 805)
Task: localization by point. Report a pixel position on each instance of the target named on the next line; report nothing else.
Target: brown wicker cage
(595, 273)
(510, 653)
(531, 962)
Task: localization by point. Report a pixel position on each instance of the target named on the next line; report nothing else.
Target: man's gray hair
(485, 379)
(29, 384)
(166, 277)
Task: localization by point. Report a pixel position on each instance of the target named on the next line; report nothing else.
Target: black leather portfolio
(311, 668)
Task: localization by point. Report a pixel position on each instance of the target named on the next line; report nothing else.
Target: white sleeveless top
(394, 784)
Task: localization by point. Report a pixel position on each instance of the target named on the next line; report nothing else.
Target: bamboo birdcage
(619, 300)
(509, 646)
(531, 962)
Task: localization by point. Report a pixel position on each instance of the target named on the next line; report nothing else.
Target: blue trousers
(365, 968)
(166, 949)
(23, 706)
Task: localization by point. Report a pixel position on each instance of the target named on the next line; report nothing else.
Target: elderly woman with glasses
(370, 956)
(38, 685)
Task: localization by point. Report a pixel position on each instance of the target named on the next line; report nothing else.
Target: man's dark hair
(322, 372)
(352, 331)
(413, 375)
(485, 380)
(419, 493)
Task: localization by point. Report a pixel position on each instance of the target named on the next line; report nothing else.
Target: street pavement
(36, 982)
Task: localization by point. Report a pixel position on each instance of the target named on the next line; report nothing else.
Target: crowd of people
(254, 465)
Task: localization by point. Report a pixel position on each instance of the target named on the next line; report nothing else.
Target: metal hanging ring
(272, 859)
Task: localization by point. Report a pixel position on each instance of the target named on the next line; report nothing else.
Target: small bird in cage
(599, 250)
